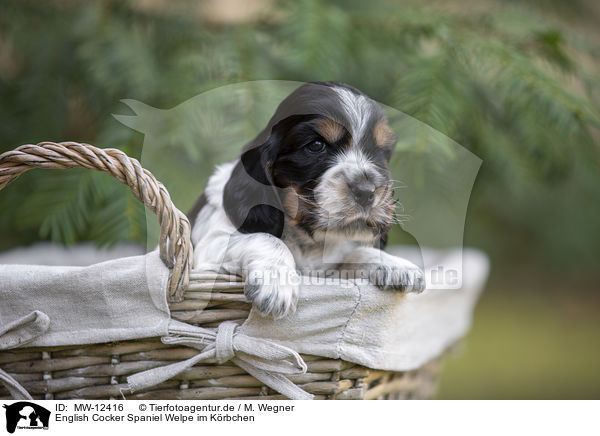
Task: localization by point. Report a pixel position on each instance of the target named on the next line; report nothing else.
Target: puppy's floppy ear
(250, 199)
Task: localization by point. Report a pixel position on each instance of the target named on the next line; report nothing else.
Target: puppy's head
(322, 160)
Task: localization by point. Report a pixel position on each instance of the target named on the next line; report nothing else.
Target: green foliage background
(517, 83)
(514, 84)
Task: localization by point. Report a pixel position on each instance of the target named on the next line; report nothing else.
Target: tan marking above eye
(330, 130)
(384, 136)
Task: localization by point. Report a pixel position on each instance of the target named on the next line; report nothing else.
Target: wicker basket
(100, 371)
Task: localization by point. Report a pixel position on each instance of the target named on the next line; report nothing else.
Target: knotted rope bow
(263, 359)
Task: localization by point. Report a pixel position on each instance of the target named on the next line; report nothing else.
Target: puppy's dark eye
(316, 147)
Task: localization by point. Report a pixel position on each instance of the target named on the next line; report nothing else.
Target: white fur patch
(358, 109)
(353, 162)
(216, 183)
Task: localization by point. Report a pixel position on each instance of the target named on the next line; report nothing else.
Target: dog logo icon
(26, 415)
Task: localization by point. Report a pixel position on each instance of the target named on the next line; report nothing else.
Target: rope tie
(17, 391)
(265, 360)
(15, 334)
(224, 342)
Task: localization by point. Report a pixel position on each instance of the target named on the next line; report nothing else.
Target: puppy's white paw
(398, 274)
(273, 292)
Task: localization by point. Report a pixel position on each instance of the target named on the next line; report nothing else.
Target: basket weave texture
(203, 299)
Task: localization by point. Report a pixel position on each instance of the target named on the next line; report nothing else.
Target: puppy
(311, 192)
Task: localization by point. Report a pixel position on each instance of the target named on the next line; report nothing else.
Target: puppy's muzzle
(363, 193)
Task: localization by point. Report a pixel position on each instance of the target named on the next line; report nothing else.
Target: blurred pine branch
(515, 82)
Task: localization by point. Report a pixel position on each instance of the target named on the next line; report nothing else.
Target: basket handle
(175, 246)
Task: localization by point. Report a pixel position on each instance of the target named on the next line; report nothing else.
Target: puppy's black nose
(364, 193)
